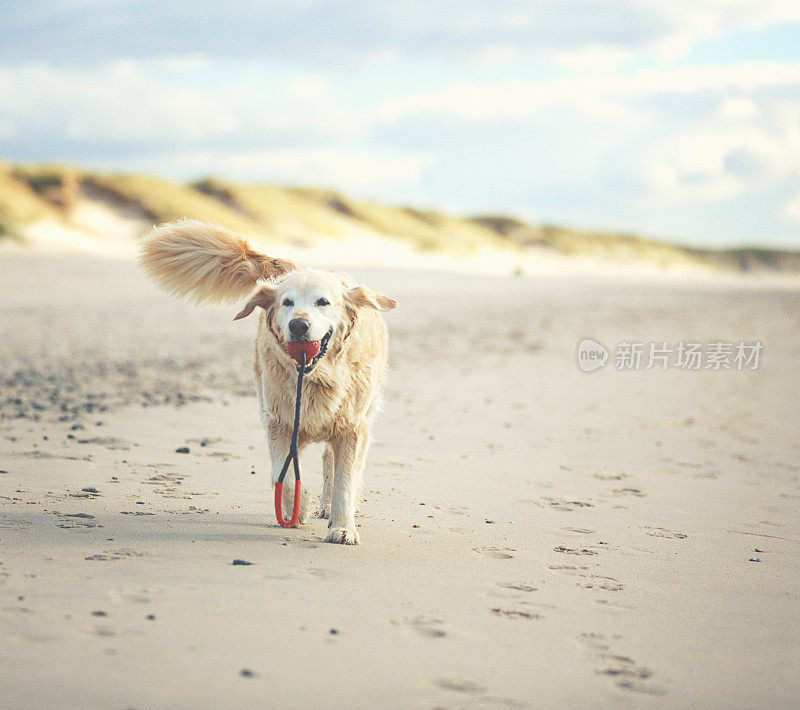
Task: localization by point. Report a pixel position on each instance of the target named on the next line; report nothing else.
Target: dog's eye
(323, 302)
(288, 302)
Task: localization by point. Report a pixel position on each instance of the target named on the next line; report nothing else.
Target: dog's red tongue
(296, 348)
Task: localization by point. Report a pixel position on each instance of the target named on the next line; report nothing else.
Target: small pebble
(238, 561)
(182, 450)
(754, 559)
(139, 502)
(333, 632)
(415, 526)
(151, 617)
(246, 673)
(99, 613)
(89, 489)
(76, 427)
(252, 473)
(489, 522)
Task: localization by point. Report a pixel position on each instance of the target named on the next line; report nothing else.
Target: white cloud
(340, 35)
(792, 209)
(131, 102)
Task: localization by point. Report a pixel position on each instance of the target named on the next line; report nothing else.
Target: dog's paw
(342, 536)
(324, 511)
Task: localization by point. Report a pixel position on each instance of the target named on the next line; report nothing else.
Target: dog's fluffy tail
(205, 261)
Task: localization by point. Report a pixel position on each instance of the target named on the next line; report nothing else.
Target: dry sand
(532, 536)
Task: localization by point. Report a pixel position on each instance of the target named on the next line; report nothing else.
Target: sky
(676, 119)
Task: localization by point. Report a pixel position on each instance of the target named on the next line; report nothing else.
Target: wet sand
(532, 535)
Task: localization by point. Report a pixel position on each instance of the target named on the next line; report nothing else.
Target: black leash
(294, 458)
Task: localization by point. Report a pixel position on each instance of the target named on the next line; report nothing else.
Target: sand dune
(533, 536)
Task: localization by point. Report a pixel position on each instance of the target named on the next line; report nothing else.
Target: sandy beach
(533, 536)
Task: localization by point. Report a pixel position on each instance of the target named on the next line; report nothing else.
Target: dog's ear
(363, 297)
(263, 296)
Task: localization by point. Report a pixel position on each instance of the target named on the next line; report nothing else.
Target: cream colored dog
(342, 390)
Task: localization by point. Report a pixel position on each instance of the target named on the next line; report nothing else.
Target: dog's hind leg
(327, 482)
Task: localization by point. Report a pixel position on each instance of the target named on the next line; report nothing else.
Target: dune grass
(164, 201)
(20, 204)
(279, 211)
(304, 215)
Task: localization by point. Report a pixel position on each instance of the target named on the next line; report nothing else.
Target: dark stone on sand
(78, 515)
(238, 561)
(151, 617)
(489, 522)
(333, 632)
(76, 427)
(182, 450)
(246, 673)
(99, 613)
(754, 559)
(89, 489)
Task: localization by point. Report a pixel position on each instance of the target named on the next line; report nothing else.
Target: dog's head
(311, 310)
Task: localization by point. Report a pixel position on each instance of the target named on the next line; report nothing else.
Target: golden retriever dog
(320, 310)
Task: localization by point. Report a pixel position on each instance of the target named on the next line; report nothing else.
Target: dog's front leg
(327, 482)
(280, 439)
(349, 449)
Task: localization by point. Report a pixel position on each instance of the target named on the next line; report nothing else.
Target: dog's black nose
(298, 327)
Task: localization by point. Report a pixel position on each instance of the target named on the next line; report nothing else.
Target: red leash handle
(292, 458)
(279, 505)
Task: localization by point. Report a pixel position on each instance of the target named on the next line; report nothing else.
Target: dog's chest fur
(341, 393)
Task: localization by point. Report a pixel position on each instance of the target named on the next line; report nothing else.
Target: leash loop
(294, 458)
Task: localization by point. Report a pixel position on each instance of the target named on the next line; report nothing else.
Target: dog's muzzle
(314, 351)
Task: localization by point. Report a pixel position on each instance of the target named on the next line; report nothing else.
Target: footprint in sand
(563, 504)
(626, 673)
(605, 585)
(69, 521)
(610, 476)
(424, 626)
(496, 553)
(515, 614)
(635, 492)
(459, 686)
(113, 555)
(579, 531)
(518, 586)
(663, 532)
(592, 581)
(574, 550)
